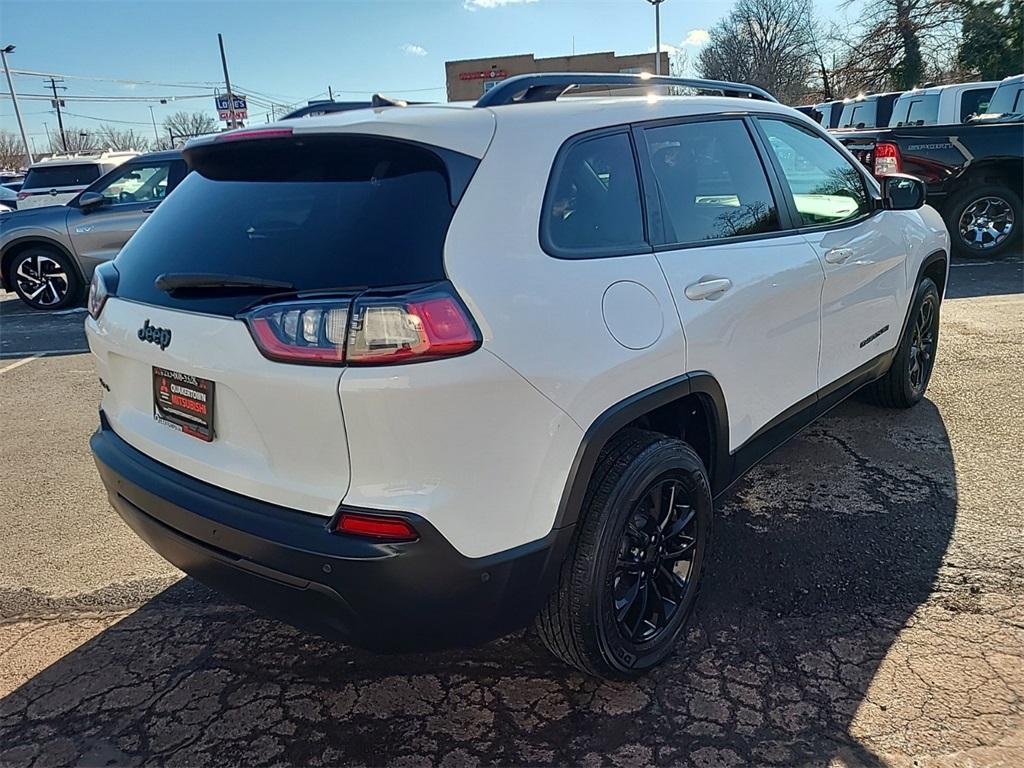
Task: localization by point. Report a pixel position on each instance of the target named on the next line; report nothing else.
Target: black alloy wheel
(923, 338)
(633, 573)
(656, 558)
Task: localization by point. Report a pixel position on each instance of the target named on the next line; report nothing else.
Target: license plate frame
(184, 402)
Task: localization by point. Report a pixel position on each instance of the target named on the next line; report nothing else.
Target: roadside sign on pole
(224, 108)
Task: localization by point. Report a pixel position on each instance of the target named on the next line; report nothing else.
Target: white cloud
(474, 5)
(696, 37)
(665, 48)
(414, 50)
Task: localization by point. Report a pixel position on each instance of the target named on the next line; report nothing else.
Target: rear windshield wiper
(191, 281)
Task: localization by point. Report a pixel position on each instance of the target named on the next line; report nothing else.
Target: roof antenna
(383, 101)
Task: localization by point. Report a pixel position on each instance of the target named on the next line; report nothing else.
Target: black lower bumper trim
(389, 597)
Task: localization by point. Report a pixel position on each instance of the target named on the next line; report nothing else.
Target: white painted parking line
(71, 311)
(18, 364)
(34, 355)
(973, 264)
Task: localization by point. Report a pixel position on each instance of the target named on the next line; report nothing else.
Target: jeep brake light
(887, 159)
(375, 328)
(23, 195)
(255, 133)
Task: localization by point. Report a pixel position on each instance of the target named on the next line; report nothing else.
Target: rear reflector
(375, 526)
(887, 159)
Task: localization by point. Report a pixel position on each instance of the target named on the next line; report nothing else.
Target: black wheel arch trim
(30, 240)
(629, 410)
(928, 261)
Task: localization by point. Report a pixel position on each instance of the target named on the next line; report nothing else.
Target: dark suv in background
(47, 255)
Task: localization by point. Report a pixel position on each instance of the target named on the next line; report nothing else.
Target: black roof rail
(524, 89)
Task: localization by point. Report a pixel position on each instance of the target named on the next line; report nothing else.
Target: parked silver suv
(47, 255)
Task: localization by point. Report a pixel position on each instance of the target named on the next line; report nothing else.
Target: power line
(168, 98)
(195, 84)
(394, 90)
(105, 119)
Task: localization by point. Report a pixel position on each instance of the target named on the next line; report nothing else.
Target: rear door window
(710, 181)
(916, 110)
(319, 213)
(974, 102)
(592, 207)
(860, 115)
(50, 176)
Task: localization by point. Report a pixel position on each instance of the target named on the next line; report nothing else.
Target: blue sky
(291, 51)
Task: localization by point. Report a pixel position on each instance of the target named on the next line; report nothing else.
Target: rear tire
(904, 384)
(44, 278)
(633, 573)
(984, 221)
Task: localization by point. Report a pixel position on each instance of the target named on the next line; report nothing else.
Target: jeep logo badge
(154, 335)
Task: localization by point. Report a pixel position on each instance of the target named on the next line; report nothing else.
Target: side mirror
(901, 192)
(90, 200)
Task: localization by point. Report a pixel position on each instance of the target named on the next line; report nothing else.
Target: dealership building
(468, 79)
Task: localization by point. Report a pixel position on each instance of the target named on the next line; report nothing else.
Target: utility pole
(14, 98)
(227, 82)
(657, 34)
(151, 117)
(60, 120)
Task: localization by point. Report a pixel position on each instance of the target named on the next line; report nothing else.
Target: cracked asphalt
(864, 606)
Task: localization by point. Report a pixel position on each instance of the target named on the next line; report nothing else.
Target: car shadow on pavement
(822, 555)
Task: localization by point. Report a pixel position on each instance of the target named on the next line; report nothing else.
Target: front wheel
(631, 579)
(905, 382)
(44, 278)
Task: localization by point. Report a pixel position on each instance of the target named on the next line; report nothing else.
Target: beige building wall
(466, 79)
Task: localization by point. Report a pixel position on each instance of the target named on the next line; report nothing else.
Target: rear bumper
(389, 597)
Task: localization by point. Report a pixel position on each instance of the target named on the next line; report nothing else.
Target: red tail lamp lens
(395, 330)
(887, 159)
(301, 332)
(376, 526)
(381, 328)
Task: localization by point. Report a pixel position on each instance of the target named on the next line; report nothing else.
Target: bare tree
(765, 42)
(111, 137)
(185, 125)
(902, 42)
(12, 151)
(78, 140)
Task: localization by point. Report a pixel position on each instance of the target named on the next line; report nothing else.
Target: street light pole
(227, 82)
(657, 34)
(151, 117)
(14, 98)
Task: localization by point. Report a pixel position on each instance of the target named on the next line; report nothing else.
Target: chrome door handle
(838, 255)
(708, 288)
(150, 209)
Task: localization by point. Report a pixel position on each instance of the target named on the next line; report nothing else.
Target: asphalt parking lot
(865, 605)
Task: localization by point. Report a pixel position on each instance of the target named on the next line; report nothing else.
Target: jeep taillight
(374, 328)
(887, 159)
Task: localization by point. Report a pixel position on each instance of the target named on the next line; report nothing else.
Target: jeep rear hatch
(264, 225)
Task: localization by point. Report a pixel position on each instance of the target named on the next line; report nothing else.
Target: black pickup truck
(974, 174)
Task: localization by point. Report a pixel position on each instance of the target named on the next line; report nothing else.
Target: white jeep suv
(416, 376)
